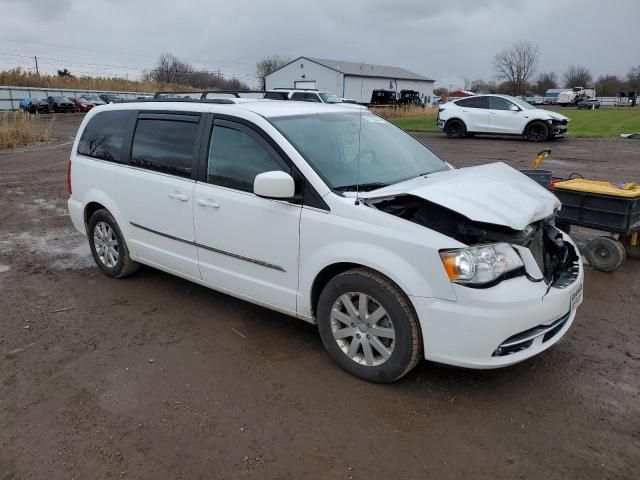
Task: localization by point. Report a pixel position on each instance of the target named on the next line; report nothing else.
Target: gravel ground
(155, 377)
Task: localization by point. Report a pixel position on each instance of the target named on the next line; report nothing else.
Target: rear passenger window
(236, 157)
(474, 102)
(164, 145)
(103, 135)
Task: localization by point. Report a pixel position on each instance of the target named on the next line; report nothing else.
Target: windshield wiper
(365, 187)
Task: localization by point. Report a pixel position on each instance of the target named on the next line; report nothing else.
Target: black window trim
(169, 115)
(309, 198)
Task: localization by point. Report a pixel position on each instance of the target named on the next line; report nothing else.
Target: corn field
(405, 112)
(21, 78)
(18, 129)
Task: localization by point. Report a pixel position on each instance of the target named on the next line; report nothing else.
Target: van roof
(264, 108)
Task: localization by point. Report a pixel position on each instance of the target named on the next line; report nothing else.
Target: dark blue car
(589, 103)
(34, 105)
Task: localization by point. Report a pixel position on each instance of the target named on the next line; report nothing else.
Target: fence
(604, 101)
(10, 97)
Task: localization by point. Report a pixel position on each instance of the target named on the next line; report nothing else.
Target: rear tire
(368, 326)
(455, 129)
(537, 132)
(108, 247)
(605, 254)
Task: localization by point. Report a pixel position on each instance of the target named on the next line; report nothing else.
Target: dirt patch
(155, 377)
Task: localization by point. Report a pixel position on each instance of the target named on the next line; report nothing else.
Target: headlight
(481, 264)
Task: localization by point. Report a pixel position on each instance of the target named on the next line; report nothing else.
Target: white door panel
(159, 208)
(505, 121)
(248, 244)
(476, 119)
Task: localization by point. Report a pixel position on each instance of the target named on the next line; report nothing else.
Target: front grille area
(524, 340)
(559, 263)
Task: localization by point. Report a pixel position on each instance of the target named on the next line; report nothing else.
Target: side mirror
(277, 185)
(514, 108)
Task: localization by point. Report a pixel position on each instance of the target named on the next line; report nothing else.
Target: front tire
(537, 132)
(455, 129)
(368, 326)
(108, 247)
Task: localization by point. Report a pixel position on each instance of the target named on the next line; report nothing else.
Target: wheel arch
(455, 119)
(89, 210)
(329, 272)
(535, 120)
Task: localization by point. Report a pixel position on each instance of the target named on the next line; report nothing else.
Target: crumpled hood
(495, 193)
(555, 115)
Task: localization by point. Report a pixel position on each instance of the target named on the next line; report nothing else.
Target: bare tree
(545, 82)
(440, 92)
(608, 86)
(267, 65)
(480, 86)
(577, 76)
(516, 65)
(633, 79)
(171, 70)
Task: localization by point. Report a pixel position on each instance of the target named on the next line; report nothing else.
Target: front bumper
(558, 129)
(497, 326)
(440, 124)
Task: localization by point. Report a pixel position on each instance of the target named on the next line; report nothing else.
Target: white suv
(501, 115)
(333, 216)
(313, 96)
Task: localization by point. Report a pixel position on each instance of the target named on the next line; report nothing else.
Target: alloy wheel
(106, 244)
(362, 329)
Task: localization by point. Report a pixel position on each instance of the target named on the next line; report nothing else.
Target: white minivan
(334, 216)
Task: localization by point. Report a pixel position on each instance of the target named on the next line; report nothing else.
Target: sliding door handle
(208, 203)
(179, 196)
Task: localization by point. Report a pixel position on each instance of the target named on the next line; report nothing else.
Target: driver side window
(237, 156)
(499, 103)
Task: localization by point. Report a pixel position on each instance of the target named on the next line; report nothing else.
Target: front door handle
(208, 203)
(179, 196)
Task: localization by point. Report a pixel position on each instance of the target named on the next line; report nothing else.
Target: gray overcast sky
(445, 40)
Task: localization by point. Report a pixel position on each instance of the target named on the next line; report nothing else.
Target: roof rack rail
(204, 94)
(295, 88)
(225, 101)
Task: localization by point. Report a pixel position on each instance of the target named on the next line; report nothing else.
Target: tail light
(69, 178)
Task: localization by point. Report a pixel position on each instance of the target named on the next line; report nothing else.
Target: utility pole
(37, 71)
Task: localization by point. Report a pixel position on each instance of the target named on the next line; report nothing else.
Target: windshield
(60, 99)
(329, 97)
(522, 104)
(329, 142)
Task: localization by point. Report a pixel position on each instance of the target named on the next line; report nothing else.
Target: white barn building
(348, 79)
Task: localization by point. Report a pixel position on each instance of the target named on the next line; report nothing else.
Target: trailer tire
(605, 253)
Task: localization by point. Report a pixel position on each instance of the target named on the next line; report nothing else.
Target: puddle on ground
(4, 268)
(65, 248)
(47, 205)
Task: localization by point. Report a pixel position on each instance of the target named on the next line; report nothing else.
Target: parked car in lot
(96, 100)
(589, 103)
(82, 104)
(60, 104)
(109, 98)
(34, 105)
(313, 96)
(334, 216)
(499, 115)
